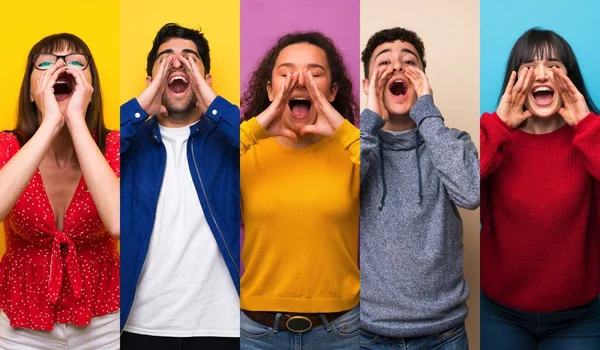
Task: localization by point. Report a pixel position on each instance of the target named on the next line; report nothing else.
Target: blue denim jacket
(214, 159)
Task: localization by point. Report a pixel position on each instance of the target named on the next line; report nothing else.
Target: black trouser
(132, 341)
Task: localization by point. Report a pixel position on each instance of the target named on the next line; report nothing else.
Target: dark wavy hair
(256, 98)
(539, 44)
(173, 30)
(389, 36)
(28, 118)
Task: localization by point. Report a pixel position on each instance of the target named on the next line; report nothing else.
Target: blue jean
(507, 328)
(452, 339)
(342, 333)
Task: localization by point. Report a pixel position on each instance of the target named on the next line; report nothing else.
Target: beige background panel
(450, 32)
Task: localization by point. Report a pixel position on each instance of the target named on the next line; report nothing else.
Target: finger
(527, 114)
(568, 83)
(528, 82)
(511, 83)
(309, 129)
(294, 78)
(282, 91)
(373, 83)
(289, 134)
(520, 81)
(53, 71)
(384, 79)
(53, 77)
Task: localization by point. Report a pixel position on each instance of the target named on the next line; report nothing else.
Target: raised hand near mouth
(328, 118)
(205, 95)
(82, 96)
(574, 107)
(44, 96)
(419, 81)
(377, 85)
(270, 119)
(510, 109)
(151, 98)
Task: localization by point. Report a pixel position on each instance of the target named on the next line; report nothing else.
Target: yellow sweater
(300, 210)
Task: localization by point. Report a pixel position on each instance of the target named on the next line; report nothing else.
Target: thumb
(527, 114)
(309, 129)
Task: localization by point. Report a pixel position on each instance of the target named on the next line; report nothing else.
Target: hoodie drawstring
(418, 165)
(382, 203)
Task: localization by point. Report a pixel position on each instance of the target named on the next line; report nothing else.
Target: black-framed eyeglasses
(43, 61)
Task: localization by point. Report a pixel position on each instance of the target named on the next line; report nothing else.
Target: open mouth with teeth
(64, 87)
(300, 107)
(178, 84)
(543, 95)
(398, 88)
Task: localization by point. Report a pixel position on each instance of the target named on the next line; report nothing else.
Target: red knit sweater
(540, 238)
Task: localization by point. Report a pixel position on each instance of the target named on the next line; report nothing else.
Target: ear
(270, 91)
(333, 92)
(208, 79)
(148, 80)
(365, 86)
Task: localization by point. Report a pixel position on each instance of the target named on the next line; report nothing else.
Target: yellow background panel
(24, 23)
(218, 20)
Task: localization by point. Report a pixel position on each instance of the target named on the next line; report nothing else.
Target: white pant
(101, 334)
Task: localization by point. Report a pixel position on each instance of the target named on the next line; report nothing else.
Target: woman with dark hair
(59, 201)
(300, 164)
(540, 181)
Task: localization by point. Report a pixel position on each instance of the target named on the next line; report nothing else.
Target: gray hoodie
(411, 237)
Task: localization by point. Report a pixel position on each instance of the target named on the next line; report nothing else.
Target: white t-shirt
(185, 289)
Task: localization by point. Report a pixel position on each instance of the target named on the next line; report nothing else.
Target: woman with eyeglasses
(59, 203)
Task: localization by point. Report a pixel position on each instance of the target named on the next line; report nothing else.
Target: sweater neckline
(561, 134)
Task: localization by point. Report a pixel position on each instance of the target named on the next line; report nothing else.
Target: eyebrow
(552, 59)
(184, 50)
(310, 65)
(402, 50)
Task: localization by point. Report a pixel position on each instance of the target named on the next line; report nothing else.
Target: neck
(399, 123)
(535, 125)
(179, 120)
(61, 150)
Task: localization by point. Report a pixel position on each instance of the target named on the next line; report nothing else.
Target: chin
(296, 125)
(543, 112)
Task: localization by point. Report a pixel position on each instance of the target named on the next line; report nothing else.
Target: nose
(176, 64)
(301, 81)
(397, 67)
(541, 73)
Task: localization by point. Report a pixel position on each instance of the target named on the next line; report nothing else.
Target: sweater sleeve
(349, 137)
(250, 133)
(587, 141)
(453, 153)
(370, 125)
(494, 136)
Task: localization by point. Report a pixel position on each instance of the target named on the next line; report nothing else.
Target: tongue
(178, 86)
(300, 110)
(543, 97)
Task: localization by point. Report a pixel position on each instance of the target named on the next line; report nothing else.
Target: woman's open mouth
(64, 87)
(300, 107)
(543, 95)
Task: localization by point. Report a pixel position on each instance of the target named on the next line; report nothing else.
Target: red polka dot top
(49, 276)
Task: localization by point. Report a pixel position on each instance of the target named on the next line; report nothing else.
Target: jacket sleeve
(453, 153)
(587, 141)
(370, 125)
(227, 116)
(250, 133)
(132, 118)
(348, 136)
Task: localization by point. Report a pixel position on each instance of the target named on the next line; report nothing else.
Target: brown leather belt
(293, 322)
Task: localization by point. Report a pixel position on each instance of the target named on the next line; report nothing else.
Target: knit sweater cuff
(496, 128)
(424, 108)
(346, 134)
(370, 122)
(590, 122)
(253, 128)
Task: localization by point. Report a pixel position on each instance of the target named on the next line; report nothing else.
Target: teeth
(61, 82)
(398, 81)
(300, 98)
(542, 88)
(178, 77)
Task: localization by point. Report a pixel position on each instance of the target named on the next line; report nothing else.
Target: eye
(554, 65)
(412, 63)
(76, 64)
(45, 64)
(384, 63)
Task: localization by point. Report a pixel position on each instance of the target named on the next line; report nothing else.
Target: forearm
(100, 179)
(452, 152)
(587, 140)
(227, 117)
(18, 171)
(250, 133)
(371, 124)
(494, 136)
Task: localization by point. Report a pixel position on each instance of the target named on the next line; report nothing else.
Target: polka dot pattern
(49, 276)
